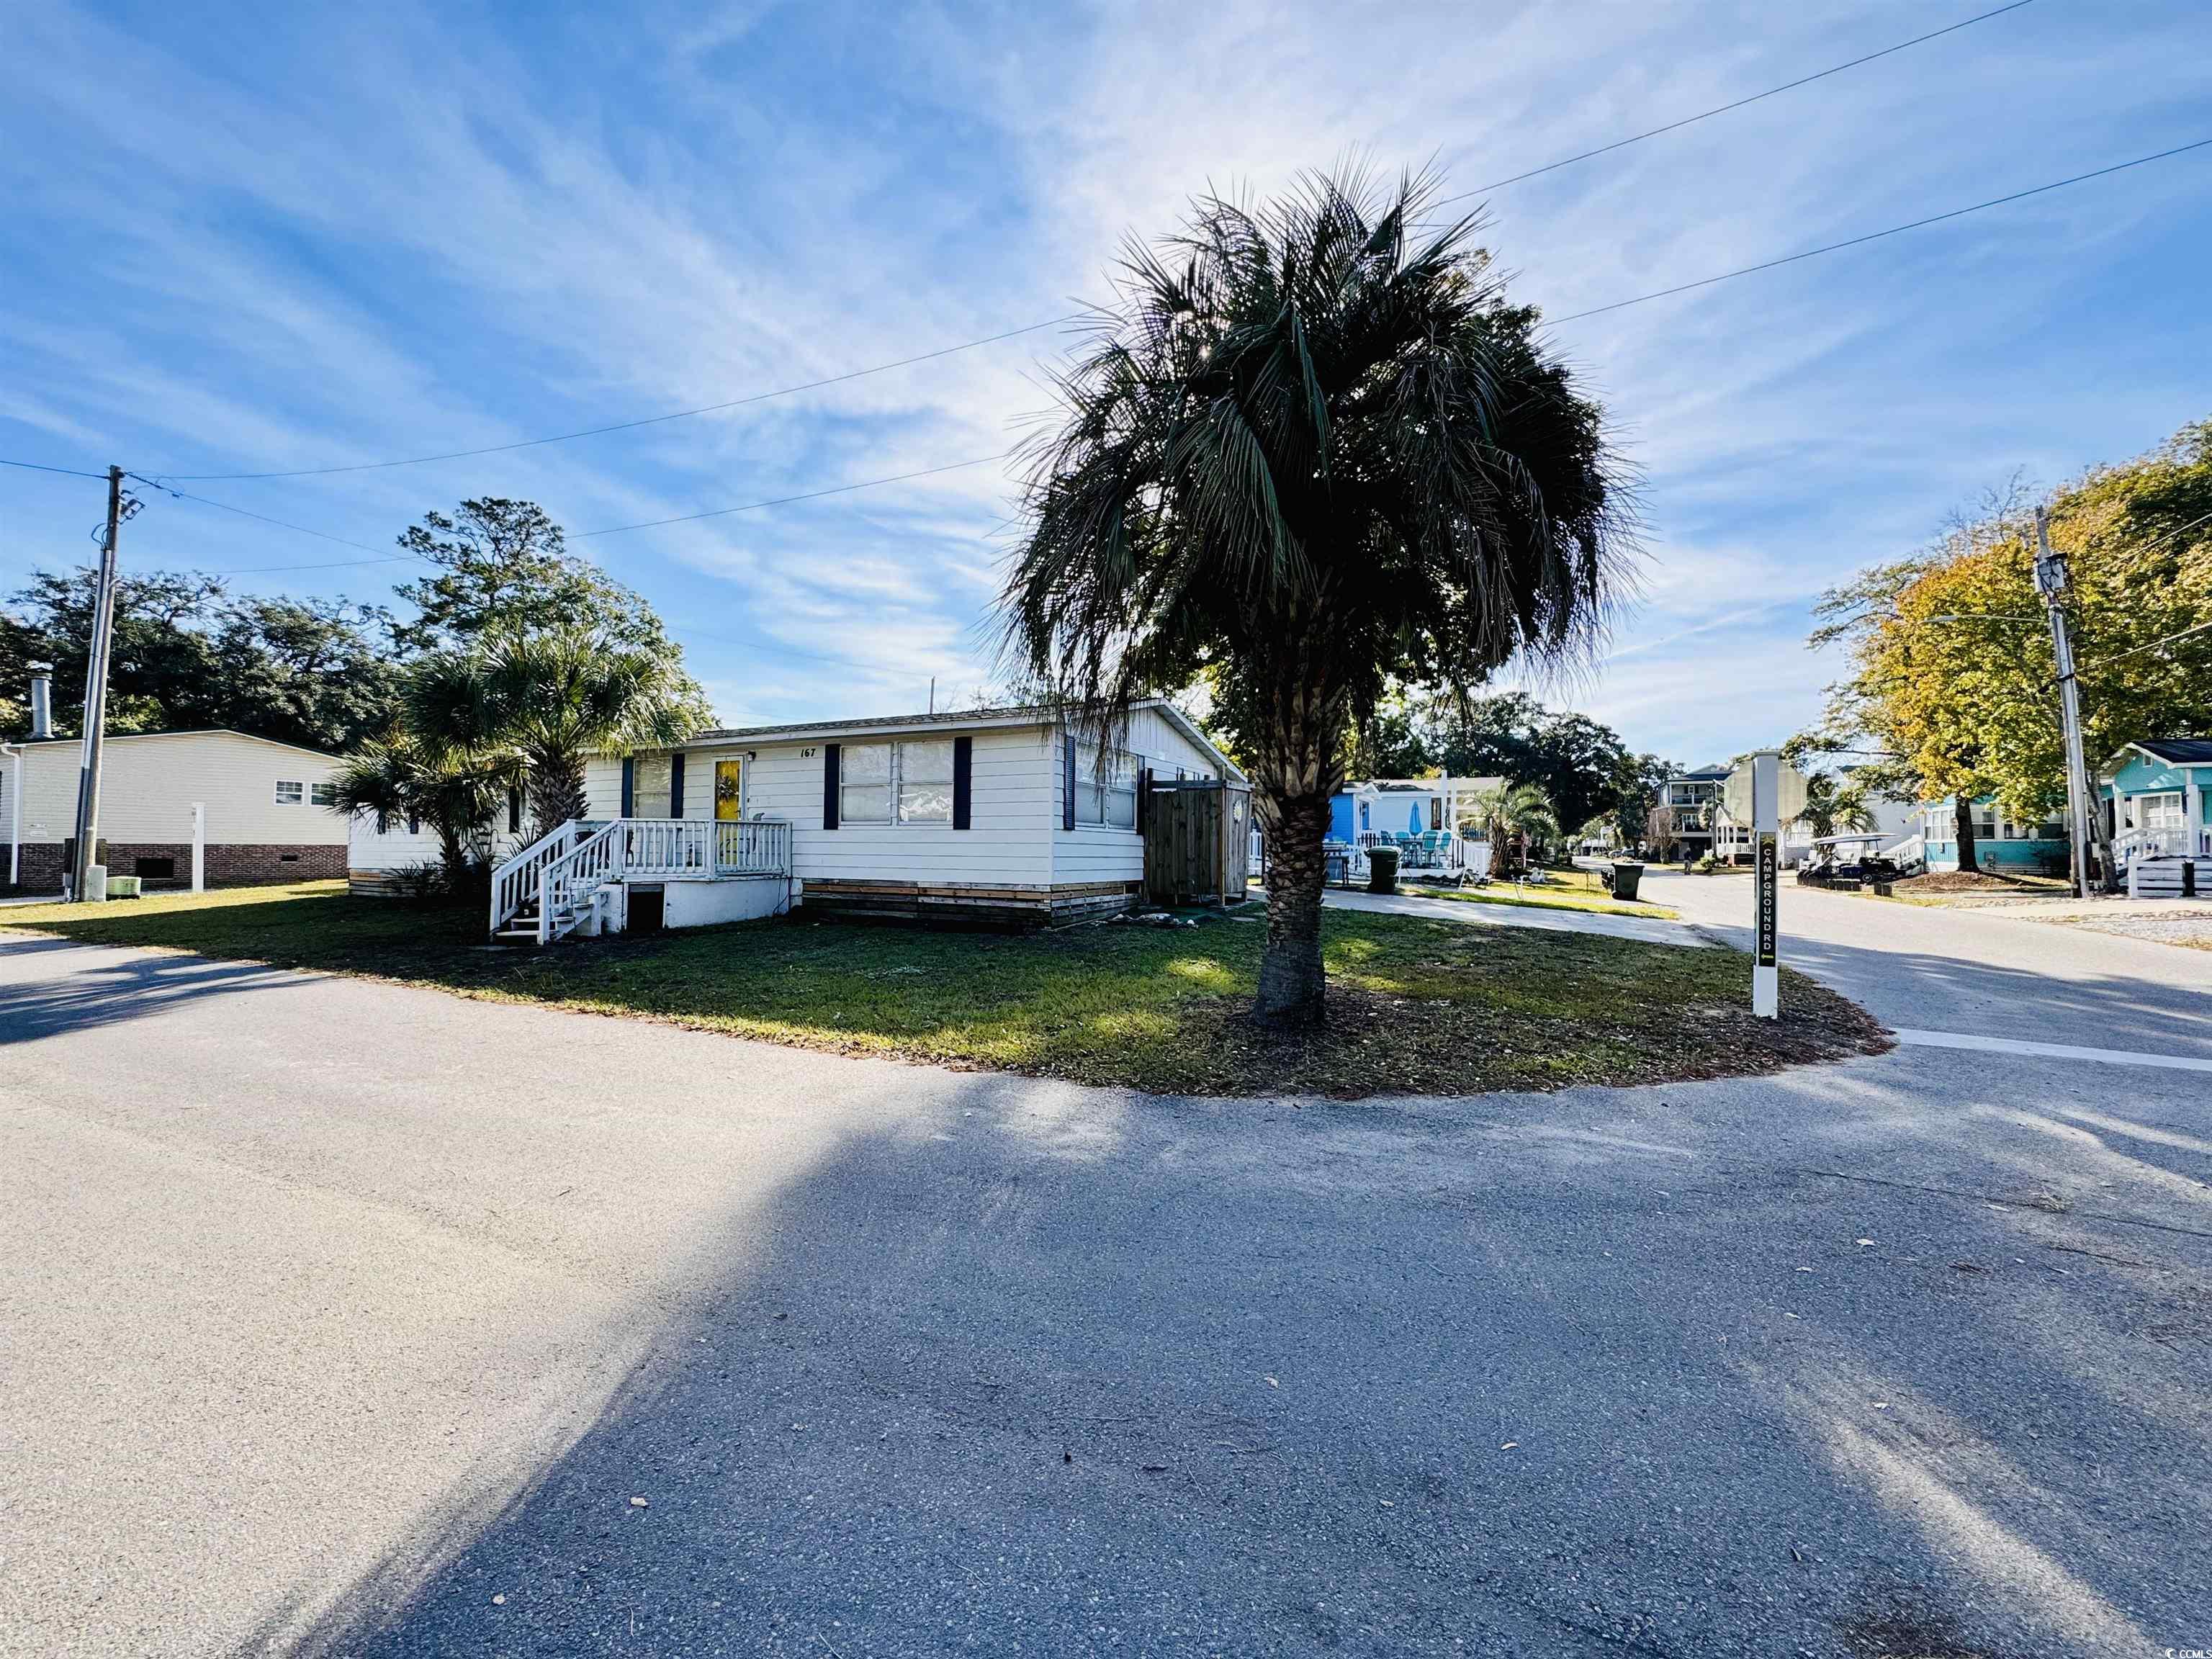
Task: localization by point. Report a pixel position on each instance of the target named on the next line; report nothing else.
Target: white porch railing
(569, 882)
(2152, 844)
(515, 884)
(559, 873)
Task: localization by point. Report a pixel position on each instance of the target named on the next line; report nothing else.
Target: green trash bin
(1381, 869)
(1626, 874)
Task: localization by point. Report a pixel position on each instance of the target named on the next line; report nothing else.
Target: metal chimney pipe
(42, 700)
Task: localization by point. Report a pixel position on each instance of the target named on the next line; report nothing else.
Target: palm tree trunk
(452, 852)
(1291, 978)
(1962, 810)
(1295, 769)
(556, 791)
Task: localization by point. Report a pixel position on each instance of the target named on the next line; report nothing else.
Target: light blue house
(1402, 806)
(2003, 846)
(2155, 797)
(2161, 799)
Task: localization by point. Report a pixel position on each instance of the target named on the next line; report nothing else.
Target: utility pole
(2051, 582)
(95, 699)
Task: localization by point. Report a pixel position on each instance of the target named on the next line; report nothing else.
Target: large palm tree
(1310, 450)
(547, 700)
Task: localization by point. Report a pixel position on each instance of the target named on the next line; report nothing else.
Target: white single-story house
(1001, 817)
(247, 809)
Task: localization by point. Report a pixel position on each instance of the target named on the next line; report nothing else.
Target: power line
(1722, 109)
(649, 420)
(1877, 236)
(581, 535)
(785, 500)
(2148, 645)
(1032, 328)
(206, 501)
(870, 484)
(66, 472)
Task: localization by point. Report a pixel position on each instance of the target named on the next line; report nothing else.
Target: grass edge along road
(1543, 897)
(1416, 1006)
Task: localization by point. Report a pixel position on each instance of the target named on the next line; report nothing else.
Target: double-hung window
(924, 781)
(864, 783)
(895, 782)
(290, 792)
(2159, 812)
(1105, 795)
(322, 794)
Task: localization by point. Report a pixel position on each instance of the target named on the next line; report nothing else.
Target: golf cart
(1848, 863)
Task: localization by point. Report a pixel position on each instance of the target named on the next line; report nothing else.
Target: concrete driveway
(337, 1316)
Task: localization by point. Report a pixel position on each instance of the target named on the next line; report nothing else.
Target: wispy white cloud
(338, 237)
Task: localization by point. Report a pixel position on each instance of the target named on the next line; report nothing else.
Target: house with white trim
(1007, 816)
(2157, 794)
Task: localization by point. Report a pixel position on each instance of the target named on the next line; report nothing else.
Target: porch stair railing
(515, 884)
(556, 883)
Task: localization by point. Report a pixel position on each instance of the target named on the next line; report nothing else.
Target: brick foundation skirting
(41, 867)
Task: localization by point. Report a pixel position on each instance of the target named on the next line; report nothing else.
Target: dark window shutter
(1143, 797)
(830, 786)
(513, 810)
(630, 786)
(964, 774)
(676, 785)
(1067, 782)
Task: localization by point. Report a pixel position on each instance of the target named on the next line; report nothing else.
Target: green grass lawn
(1417, 1006)
(1573, 890)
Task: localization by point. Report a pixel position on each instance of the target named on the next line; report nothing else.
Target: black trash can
(1626, 874)
(1381, 869)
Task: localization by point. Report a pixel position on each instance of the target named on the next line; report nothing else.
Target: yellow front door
(729, 790)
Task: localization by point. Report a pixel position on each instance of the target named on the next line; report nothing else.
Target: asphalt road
(337, 1316)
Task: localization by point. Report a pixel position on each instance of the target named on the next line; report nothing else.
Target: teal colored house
(2002, 845)
(2161, 796)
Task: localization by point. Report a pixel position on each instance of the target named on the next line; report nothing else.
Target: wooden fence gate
(1198, 840)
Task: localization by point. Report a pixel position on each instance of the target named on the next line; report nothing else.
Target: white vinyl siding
(1014, 838)
(1102, 851)
(149, 784)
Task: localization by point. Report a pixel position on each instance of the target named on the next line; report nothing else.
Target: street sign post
(1767, 841)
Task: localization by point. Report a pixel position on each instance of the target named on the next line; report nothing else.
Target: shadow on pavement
(1307, 1382)
(107, 987)
(1924, 990)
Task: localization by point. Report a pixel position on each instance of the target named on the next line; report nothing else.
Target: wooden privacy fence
(1198, 840)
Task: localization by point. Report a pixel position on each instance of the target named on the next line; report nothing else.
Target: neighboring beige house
(265, 813)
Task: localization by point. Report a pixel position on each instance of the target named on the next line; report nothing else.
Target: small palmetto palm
(547, 700)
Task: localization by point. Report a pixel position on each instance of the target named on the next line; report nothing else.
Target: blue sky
(306, 237)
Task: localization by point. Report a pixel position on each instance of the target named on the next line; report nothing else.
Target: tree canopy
(322, 672)
(1313, 448)
(1951, 679)
(187, 653)
(1581, 765)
